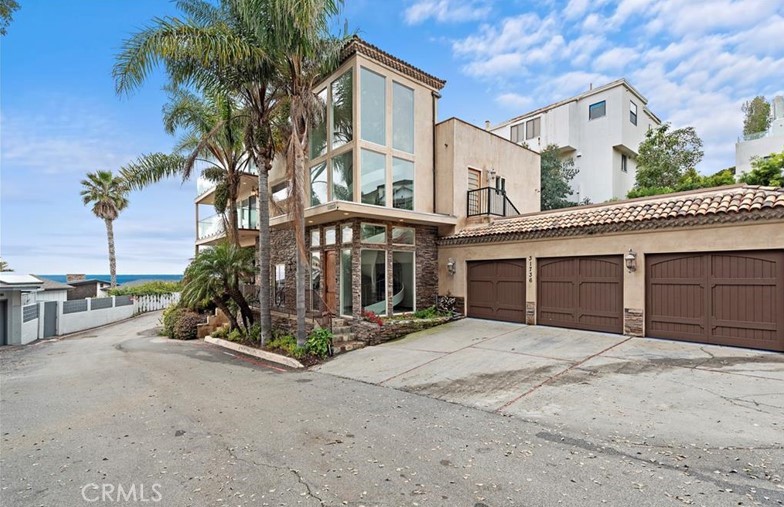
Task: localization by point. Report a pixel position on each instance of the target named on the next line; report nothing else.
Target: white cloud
(446, 11)
(514, 101)
(615, 58)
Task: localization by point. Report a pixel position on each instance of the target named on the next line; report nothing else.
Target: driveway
(633, 389)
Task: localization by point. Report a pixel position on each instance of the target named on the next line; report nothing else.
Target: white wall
(29, 331)
(761, 147)
(73, 322)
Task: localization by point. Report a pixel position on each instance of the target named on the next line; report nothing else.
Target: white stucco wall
(745, 150)
(73, 322)
(29, 331)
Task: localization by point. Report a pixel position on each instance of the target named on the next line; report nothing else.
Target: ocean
(121, 279)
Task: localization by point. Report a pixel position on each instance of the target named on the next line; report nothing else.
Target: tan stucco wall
(460, 146)
(760, 236)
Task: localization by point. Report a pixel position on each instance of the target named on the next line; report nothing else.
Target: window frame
(363, 240)
(633, 112)
(533, 122)
(624, 163)
(514, 133)
(591, 107)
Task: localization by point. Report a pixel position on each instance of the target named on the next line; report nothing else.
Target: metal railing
(490, 201)
(247, 218)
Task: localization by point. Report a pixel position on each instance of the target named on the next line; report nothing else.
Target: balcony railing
(490, 201)
(247, 218)
(204, 185)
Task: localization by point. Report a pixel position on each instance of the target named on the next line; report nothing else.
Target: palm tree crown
(106, 192)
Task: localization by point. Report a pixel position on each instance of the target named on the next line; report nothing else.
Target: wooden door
(330, 282)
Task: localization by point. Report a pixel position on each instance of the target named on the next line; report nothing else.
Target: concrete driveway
(631, 389)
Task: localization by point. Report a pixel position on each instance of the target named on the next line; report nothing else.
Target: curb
(261, 354)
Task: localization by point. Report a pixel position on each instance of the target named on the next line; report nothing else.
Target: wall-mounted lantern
(451, 266)
(631, 260)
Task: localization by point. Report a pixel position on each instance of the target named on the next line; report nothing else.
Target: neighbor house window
(533, 128)
(374, 177)
(518, 133)
(402, 183)
(597, 110)
(372, 233)
(318, 136)
(402, 235)
(402, 118)
(318, 184)
(633, 112)
(343, 177)
(624, 162)
(374, 281)
(373, 107)
(342, 110)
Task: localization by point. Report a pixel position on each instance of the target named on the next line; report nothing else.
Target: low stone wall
(372, 334)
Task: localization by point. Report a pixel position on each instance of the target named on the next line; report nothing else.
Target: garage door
(727, 298)
(496, 290)
(581, 293)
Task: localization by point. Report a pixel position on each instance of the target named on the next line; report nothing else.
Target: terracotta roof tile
(722, 204)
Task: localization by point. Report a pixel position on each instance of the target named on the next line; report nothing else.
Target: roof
(51, 284)
(357, 45)
(20, 282)
(88, 282)
(737, 203)
(592, 91)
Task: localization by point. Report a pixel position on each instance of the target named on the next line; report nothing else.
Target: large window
(318, 135)
(533, 128)
(346, 294)
(372, 233)
(343, 177)
(597, 110)
(373, 107)
(374, 281)
(403, 287)
(633, 112)
(402, 118)
(403, 235)
(402, 183)
(518, 133)
(373, 178)
(342, 110)
(318, 184)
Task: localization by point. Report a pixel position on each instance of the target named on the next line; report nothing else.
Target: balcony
(205, 187)
(490, 201)
(212, 229)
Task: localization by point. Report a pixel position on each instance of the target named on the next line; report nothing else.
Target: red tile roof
(715, 205)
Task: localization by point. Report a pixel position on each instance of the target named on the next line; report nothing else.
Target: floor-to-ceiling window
(403, 286)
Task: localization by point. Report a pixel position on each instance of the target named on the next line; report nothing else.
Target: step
(340, 329)
(340, 348)
(342, 338)
(338, 322)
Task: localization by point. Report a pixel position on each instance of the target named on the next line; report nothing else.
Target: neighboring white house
(600, 129)
(50, 290)
(761, 144)
(13, 287)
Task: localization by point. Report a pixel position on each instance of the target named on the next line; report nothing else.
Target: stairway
(342, 339)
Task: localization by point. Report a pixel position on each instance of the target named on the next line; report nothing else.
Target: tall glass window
(342, 110)
(346, 294)
(402, 183)
(403, 282)
(315, 281)
(343, 177)
(318, 136)
(318, 184)
(279, 287)
(374, 177)
(374, 281)
(373, 107)
(402, 118)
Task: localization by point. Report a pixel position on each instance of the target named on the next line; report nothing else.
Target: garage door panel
(737, 295)
(581, 293)
(496, 290)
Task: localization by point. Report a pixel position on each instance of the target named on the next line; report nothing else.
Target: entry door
(3, 322)
(50, 318)
(330, 282)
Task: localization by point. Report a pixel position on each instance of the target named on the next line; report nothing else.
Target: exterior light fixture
(451, 266)
(631, 260)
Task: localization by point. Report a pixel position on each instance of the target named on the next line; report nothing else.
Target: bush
(235, 335)
(153, 288)
(221, 332)
(254, 333)
(169, 319)
(319, 342)
(427, 313)
(185, 325)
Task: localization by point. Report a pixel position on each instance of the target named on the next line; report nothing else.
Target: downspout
(435, 96)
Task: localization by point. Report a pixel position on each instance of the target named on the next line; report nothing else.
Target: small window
(624, 161)
(330, 234)
(597, 110)
(403, 235)
(533, 128)
(315, 238)
(347, 234)
(500, 183)
(372, 233)
(633, 113)
(517, 133)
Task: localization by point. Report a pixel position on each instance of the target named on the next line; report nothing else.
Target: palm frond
(152, 168)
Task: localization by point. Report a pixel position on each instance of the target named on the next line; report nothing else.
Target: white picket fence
(143, 304)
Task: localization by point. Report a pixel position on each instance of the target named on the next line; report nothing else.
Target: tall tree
(7, 8)
(108, 196)
(665, 155)
(766, 171)
(756, 115)
(298, 39)
(556, 173)
(4, 267)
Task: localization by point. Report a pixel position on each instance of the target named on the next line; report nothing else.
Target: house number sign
(530, 269)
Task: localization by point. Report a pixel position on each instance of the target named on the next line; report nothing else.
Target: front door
(3, 322)
(50, 318)
(330, 282)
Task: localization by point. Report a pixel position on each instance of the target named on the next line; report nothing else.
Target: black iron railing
(490, 201)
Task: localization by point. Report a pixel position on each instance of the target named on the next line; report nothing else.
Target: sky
(695, 61)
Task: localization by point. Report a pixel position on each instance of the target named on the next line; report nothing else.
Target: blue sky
(695, 61)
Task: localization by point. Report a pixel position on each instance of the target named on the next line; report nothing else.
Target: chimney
(487, 124)
(74, 278)
(590, 86)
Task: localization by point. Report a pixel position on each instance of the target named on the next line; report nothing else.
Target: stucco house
(50, 290)
(600, 129)
(13, 288)
(761, 144)
(403, 208)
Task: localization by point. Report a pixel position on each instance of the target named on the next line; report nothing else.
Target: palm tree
(4, 268)
(108, 196)
(214, 276)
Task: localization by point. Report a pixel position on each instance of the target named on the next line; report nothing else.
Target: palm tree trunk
(232, 232)
(233, 324)
(302, 263)
(242, 303)
(264, 254)
(112, 259)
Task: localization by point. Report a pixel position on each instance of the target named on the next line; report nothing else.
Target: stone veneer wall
(633, 321)
(283, 251)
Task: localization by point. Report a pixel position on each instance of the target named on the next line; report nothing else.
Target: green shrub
(221, 332)
(298, 352)
(153, 288)
(185, 325)
(426, 313)
(319, 342)
(235, 335)
(169, 319)
(254, 333)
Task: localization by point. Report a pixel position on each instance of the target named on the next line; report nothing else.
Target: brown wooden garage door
(581, 293)
(496, 290)
(727, 298)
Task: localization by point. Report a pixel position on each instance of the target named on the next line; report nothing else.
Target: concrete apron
(637, 389)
